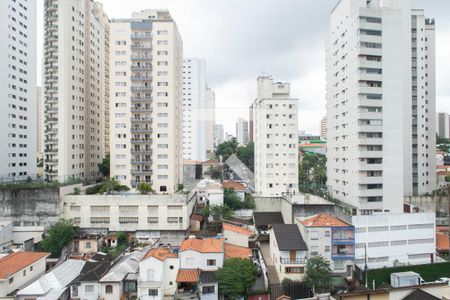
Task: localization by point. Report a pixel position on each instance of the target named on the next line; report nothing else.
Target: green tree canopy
(312, 173)
(144, 188)
(226, 149)
(104, 166)
(246, 154)
(236, 276)
(231, 199)
(58, 236)
(219, 212)
(318, 274)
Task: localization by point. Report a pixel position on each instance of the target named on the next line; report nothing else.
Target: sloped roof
(237, 229)
(419, 294)
(54, 283)
(207, 277)
(324, 220)
(92, 271)
(160, 253)
(233, 251)
(268, 218)
(128, 264)
(210, 245)
(288, 237)
(188, 275)
(237, 186)
(14, 262)
(442, 242)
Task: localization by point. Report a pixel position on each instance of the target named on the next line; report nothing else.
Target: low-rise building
(85, 286)
(236, 235)
(331, 238)
(239, 188)
(6, 234)
(288, 251)
(20, 268)
(394, 239)
(210, 192)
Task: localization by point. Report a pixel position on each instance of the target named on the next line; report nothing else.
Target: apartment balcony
(141, 120)
(141, 141)
(51, 6)
(51, 100)
(141, 152)
(342, 235)
(51, 68)
(370, 76)
(52, 17)
(370, 90)
(141, 78)
(51, 79)
(141, 89)
(51, 89)
(370, 167)
(370, 128)
(141, 58)
(140, 36)
(370, 193)
(141, 99)
(141, 109)
(141, 47)
(51, 131)
(293, 261)
(370, 25)
(140, 161)
(363, 63)
(370, 51)
(51, 38)
(52, 121)
(51, 27)
(51, 172)
(370, 180)
(370, 141)
(370, 38)
(53, 150)
(342, 252)
(371, 154)
(141, 172)
(141, 130)
(51, 59)
(51, 162)
(370, 115)
(141, 68)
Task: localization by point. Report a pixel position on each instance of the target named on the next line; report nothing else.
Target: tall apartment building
(40, 122)
(242, 131)
(275, 136)
(218, 135)
(210, 121)
(146, 98)
(75, 88)
(250, 124)
(443, 125)
(380, 104)
(323, 128)
(18, 89)
(194, 104)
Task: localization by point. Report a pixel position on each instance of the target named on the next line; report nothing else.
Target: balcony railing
(293, 261)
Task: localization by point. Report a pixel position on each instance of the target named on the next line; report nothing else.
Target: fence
(295, 290)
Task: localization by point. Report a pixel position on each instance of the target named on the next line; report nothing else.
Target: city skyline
(297, 53)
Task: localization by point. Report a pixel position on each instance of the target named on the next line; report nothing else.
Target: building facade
(75, 88)
(443, 125)
(40, 123)
(275, 137)
(380, 104)
(242, 131)
(18, 90)
(145, 108)
(210, 122)
(218, 135)
(323, 128)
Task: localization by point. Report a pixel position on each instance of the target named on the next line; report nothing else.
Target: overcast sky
(241, 39)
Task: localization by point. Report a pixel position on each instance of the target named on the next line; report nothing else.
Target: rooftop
(210, 245)
(324, 220)
(268, 218)
(442, 242)
(188, 275)
(14, 262)
(288, 237)
(419, 294)
(233, 251)
(160, 253)
(126, 266)
(237, 186)
(92, 271)
(237, 229)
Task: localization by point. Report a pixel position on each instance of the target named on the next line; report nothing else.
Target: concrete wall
(267, 204)
(429, 204)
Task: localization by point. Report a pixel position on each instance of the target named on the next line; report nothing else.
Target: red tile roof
(210, 245)
(160, 253)
(237, 229)
(324, 220)
(13, 263)
(237, 186)
(233, 251)
(188, 275)
(442, 242)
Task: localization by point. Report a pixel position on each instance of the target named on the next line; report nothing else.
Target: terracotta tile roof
(188, 275)
(442, 228)
(191, 162)
(237, 186)
(160, 253)
(214, 186)
(442, 243)
(443, 173)
(211, 161)
(237, 229)
(15, 262)
(210, 245)
(233, 251)
(324, 220)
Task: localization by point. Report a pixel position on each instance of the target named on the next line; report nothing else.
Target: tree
(104, 166)
(219, 212)
(231, 199)
(215, 172)
(58, 236)
(122, 239)
(236, 276)
(246, 154)
(312, 173)
(249, 201)
(226, 149)
(109, 185)
(318, 274)
(144, 188)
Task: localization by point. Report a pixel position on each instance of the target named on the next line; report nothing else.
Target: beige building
(210, 121)
(145, 109)
(75, 88)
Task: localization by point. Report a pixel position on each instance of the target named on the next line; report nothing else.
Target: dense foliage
(312, 173)
(218, 212)
(144, 188)
(236, 277)
(58, 236)
(104, 166)
(244, 153)
(318, 274)
(108, 186)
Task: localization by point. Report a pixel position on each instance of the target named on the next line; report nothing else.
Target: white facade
(443, 125)
(194, 105)
(210, 121)
(380, 104)
(75, 88)
(156, 274)
(218, 135)
(40, 122)
(145, 106)
(323, 128)
(394, 239)
(190, 259)
(275, 136)
(18, 89)
(242, 131)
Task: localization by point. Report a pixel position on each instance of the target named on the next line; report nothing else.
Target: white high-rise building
(146, 98)
(40, 123)
(218, 135)
(380, 104)
(194, 104)
(275, 128)
(75, 88)
(443, 125)
(210, 121)
(18, 89)
(323, 128)
(242, 131)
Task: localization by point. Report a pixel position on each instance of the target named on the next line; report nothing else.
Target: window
(89, 288)
(314, 235)
(11, 280)
(314, 250)
(295, 270)
(378, 228)
(153, 292)
(172, 220)
(152, 220)
(208, 289)
(88, 245)
(211, 262)
(128, 220)
(109, 289)
(339, 265)
(398, 227)
(327, 248)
